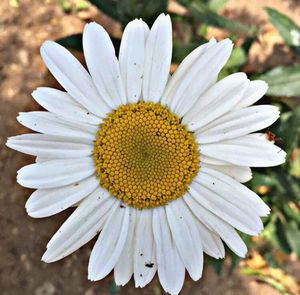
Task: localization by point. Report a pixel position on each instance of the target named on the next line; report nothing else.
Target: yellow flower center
(144, 156)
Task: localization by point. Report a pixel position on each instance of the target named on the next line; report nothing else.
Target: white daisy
(153, 163)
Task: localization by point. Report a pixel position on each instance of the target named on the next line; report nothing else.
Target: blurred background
(266, 34)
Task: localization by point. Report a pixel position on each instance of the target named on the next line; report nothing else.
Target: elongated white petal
(202, 74)
(47, 202)
(220, 227)
(183, 69)
(216, 201)
(186, 237)
(132, 58)
(157, 59)
(238, 123)
(212, 161)
(171, 269)
(73, 77)
(84, 223)
(55, 173)
(103, 65)
(240, 173)
(124, 267)
(216, 101)
(252, 150)
(232, 190)
(212, 244)
(145, 264)
(256, 90)
(51, 146)
(110, 244)
(63, 104)
(51, 124)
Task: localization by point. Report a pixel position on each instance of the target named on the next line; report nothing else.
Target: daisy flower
(154, 163)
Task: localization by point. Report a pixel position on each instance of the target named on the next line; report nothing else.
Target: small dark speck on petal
(122, 206)
(150, 265)
(76, 184)
(141, 254)
(141, 275)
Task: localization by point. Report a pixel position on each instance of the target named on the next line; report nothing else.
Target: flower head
(153, 163)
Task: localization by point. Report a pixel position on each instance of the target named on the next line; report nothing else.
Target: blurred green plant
(280, 186)
(288, 30)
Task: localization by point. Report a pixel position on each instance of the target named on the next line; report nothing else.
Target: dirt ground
(23, 239)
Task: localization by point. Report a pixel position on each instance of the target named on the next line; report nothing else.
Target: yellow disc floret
(144, 156)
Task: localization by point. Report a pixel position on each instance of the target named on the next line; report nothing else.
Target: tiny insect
(274, 138)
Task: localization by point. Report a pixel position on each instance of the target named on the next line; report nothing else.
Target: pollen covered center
(144, 156)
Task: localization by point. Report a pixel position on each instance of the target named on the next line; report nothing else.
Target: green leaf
(289, 128)
(216, 264)
(109, 7)
(65, 5)
(260, 179)
(124, 11)
(237, 59)
(216, 5)
(181, 50)
(288, 30)
(72, 41)
(293, 236)
(209, 17)
(283, 81)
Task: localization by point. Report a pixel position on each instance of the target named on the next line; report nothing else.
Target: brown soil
(22, 239)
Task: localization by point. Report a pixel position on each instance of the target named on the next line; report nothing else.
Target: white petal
(171, 269)
(73, 77)
(220, 227)
(132, 57)
(145, 264)
(186, 237)
(103, 65)
(212, 161)
(200, 77)
(238, 123)
(50, 146)
(216, 101)
(252, 150)
(47, 202)
(110, 244)
(183, 69)
(55, 173)
(84, 223)
(124, 267)
(237, 192)
(157, 59)
(256, 90)
(239, 173)
(212, 244)
(214, 198)
(61, 103)
(48, 123)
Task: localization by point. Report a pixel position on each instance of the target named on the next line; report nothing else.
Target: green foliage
(205, 15)
(216, 5)
(126, 10)
(282, 227)
(236, 60)
(288, 30)
(283, 81)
